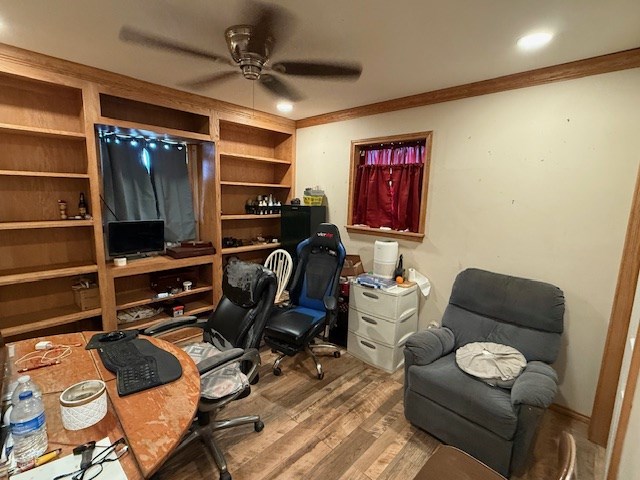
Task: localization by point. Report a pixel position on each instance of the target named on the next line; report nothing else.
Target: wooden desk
(153, 421)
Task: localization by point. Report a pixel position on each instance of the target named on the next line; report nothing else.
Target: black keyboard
(134, 371)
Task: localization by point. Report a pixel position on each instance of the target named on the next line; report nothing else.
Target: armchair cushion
(223, 376)
(536, 386)
(429, 345)
(444, 383)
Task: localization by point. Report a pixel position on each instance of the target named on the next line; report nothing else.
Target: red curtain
(388, 188)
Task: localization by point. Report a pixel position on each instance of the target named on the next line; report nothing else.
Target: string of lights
(150, 142)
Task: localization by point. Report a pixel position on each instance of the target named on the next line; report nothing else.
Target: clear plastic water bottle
(28, 428)
(24, 384)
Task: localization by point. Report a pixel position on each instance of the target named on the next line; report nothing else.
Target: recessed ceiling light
(534, 40)
(284, 107)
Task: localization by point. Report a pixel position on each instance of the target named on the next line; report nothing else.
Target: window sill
(411, 236)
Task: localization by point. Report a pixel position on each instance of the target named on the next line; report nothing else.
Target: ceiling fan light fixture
(534, 41)
(284, 107)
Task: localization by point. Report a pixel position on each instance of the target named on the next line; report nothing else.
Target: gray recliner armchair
(495, 425)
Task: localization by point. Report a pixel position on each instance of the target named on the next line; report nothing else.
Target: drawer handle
(367, 344)
(405, 319)
(370, 295)
(370, 320)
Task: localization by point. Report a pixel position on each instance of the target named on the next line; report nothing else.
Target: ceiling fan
(250, 46)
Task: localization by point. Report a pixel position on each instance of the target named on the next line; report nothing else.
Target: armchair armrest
(251, 355)
(330, 303)
(536, 385)
(173, 324)
(423, 348)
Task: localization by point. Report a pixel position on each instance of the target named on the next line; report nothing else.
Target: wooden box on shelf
(87, 298)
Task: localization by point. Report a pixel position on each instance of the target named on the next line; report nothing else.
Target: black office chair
(235, 328)
(314, 299)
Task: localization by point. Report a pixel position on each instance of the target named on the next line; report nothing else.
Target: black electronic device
(135, 238)
(139, 365)
(113, 336)
(101, 339)
(299, 222)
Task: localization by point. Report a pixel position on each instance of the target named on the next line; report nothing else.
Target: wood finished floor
(349, 426)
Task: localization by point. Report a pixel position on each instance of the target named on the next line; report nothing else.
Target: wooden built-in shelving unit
(49, 151)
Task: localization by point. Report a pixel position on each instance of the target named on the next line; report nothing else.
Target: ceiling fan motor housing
(251, 56)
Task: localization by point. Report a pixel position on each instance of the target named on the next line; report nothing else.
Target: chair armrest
(330, 303)
(536, 386)
(173, 324)
(423, 348)
(226, 357)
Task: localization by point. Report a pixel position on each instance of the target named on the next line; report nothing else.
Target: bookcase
(51, 113)
(253, 161)
(43, 159)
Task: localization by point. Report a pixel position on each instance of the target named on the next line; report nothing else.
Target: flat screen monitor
(135, 237)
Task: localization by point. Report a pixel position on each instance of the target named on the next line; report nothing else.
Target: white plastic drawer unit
(383, 304)
(380, 329)
(382, 356)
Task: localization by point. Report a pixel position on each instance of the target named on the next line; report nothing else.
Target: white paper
(71, 463)
(423, 284)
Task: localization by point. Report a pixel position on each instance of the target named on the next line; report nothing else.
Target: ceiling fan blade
(209, 80)
(279, 88)
(347, 71)
(131, 35)
(269, 22)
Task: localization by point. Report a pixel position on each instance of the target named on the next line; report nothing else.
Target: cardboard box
(87, 298)
(352, 266)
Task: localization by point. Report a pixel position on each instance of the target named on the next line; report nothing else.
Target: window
(388, 185)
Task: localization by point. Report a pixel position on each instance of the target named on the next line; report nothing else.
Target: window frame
(356, 147)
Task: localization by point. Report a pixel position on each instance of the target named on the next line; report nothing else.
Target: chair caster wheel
(225, 476)
(277, 371)
(320, 376)
(336, 354)
(258, 426)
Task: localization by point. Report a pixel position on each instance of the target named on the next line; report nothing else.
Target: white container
(385, 258)
(374, 353)
(83, 404)
(380, 330)
(392, 305)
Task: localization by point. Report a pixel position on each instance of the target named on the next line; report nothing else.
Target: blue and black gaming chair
(314, 298)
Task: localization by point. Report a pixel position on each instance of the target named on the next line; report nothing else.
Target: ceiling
(405, 47)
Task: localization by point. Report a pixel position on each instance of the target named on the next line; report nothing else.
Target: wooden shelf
(250, 248)
(156, 264)
(244, 216)
(190, 308)
(26, 275)
(153, 131)
(45, 224)
(44, 132)
(254, 158)
(27, 323)
(135, 298)
(27, 173)
(248, 184)
(411, 236)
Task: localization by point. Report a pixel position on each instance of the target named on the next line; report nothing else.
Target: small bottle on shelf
(82, 206)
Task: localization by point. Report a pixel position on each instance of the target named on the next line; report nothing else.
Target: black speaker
(299, 222)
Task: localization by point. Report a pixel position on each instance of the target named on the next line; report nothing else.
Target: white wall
(535, 182)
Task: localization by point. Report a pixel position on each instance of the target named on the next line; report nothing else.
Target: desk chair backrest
(317, 275)
(248, 293)
(279, 262)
